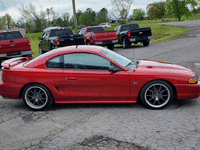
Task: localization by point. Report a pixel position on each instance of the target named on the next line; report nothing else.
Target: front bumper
(187, 91)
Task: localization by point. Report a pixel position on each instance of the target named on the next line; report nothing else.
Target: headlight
(193, 80)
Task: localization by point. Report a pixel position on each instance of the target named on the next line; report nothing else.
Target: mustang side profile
(93, 74)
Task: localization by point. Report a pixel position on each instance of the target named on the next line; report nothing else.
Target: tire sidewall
(143, 91)
(45, 89)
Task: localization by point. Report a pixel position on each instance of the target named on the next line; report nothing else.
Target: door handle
(72, 78)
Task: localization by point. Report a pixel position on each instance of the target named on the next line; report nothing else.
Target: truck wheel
(88, 43)
(52, 47)
(41, 51)
(146, 43)
(125, 44)
(111, 46)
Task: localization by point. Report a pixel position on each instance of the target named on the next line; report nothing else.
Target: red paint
(78, 86)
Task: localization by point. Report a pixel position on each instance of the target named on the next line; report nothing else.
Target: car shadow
(95, 105)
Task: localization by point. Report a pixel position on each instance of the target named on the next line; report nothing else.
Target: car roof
(3, 31)
(64, 50)
(51, 28)
(79, 48)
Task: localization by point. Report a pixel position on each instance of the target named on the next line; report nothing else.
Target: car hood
(164, 67)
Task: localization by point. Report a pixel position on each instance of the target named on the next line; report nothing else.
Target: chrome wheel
(37, 96)
(156, 94)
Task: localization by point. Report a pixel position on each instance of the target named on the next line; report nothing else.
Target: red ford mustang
(93, 74)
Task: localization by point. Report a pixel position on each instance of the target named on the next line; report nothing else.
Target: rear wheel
(146, 43)
(41, 51)
(52, 47)
(156, 94)
(125, 43)
(88, 43)
(111, 46)
(37, 97)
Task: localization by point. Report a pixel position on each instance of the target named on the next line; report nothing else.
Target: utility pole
(75, 19)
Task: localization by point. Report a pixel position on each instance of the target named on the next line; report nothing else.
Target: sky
(62, 6)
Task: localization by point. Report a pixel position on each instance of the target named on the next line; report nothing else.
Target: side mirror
(111, 69)
(40, 38)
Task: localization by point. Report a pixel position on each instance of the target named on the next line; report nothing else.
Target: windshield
(121, 60)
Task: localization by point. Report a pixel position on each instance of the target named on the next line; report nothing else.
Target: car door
(86, 78)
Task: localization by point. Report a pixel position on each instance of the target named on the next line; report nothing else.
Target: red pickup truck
(14, 44)
(96, 35)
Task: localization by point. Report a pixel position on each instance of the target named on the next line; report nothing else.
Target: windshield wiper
(129, 64)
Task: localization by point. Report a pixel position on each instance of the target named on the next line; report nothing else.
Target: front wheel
(37, 97)
(156, 94)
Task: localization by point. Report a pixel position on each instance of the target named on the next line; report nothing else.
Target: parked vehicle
(81, 26)
(93, 74)
(54, 37)
(14, 44)
(105, 25)
(96, 35)
(132, 33)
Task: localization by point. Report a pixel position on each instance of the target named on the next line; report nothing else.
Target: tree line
(35, 21)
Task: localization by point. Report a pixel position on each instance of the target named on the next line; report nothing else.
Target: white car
(105, 25)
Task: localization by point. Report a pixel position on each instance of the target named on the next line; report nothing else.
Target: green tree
(138, 14)
(157, 10)
(88, 17)
(179, 8)
(102, 16)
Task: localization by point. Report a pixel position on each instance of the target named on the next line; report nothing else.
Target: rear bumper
(105, 43)
(187, 91)
(10, 90)
(139, 39)
(16, 54)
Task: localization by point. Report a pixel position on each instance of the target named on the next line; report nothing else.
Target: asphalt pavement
(112, 126)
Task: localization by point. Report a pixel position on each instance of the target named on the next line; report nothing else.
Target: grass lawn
(160, 33)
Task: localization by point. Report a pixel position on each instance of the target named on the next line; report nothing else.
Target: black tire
(125, 44)
(111, 46)
(52, 47)
(37, 96)
(41, 51)
(156, 94)
(146, 43)
(88, 43)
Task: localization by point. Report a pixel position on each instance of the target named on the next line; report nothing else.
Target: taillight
(58, 41)
(129, 34)
(151, 32)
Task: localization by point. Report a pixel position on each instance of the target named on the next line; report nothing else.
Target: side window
(54, 63)
(85, 61)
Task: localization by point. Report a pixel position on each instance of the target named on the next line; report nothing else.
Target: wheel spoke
(36, 97)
